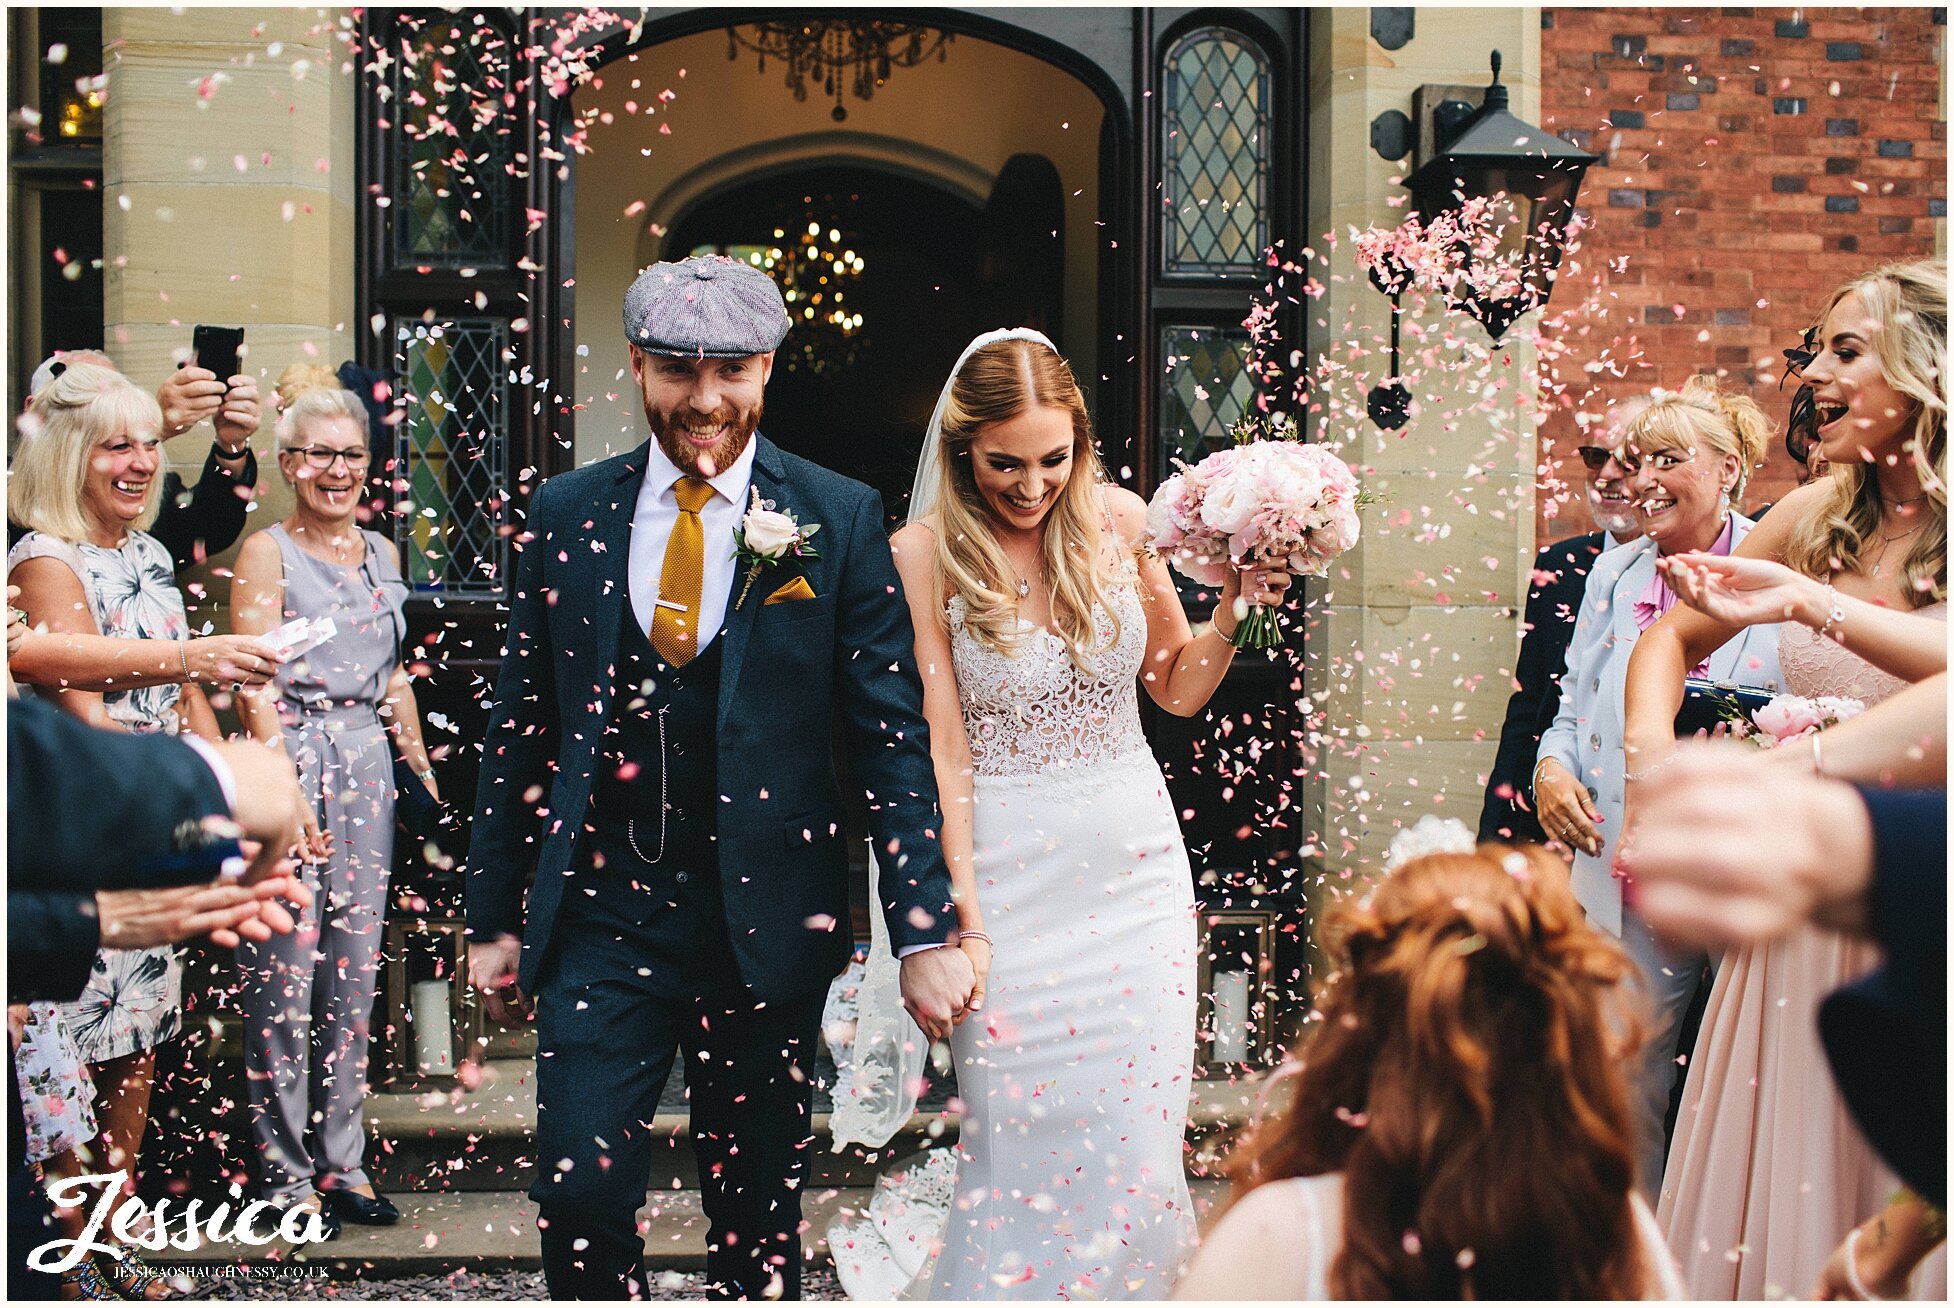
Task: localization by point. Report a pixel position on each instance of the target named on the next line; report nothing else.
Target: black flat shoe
(356, 1207)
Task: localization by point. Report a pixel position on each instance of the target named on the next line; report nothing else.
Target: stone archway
(951, 126)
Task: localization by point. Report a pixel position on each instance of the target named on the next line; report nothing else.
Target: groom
(661, 751)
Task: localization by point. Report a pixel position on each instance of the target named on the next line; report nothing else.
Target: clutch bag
(1708, 705)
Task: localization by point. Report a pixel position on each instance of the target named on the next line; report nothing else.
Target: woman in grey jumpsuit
(308, 998)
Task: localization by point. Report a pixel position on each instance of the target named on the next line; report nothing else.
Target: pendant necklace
(1884, 541)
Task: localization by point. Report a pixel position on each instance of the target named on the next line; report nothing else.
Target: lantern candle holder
(431, 1018)
(1235, 1018)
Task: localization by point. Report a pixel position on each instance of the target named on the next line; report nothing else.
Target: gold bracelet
(183, 657)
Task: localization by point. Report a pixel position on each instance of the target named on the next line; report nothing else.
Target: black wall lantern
(1482, 153)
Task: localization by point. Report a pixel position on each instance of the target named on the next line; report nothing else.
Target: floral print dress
(133, 1000)
(57, 1098)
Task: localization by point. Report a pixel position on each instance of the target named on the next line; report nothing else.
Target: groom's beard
(670, 430)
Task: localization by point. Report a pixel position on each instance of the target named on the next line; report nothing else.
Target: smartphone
(217, 348)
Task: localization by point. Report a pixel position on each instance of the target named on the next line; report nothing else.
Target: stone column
(1412, 639)
(228, 192)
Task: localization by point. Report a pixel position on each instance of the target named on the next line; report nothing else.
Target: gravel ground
(816, 1283)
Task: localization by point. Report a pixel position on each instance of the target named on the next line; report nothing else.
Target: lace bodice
(1031, 711)
(1816, 665)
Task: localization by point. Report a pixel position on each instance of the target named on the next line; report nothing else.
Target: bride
(1037, 610)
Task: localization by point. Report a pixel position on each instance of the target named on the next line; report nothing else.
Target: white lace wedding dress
(1074, 1079)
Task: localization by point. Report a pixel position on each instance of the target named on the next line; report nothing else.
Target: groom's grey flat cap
(705, 307)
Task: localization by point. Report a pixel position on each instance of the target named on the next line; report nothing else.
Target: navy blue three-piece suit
(691, 877)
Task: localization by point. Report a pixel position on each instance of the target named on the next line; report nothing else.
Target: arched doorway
(957, 177)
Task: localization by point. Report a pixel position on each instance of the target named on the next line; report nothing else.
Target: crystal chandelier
(815, 268)
(831, 51)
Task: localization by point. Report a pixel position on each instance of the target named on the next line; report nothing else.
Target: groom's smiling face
(702, 411)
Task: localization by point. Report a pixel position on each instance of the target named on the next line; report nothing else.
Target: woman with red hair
(1460, 1127)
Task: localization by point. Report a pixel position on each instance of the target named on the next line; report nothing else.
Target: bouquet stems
(1260, 628)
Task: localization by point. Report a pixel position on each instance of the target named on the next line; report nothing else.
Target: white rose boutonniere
(767, 535)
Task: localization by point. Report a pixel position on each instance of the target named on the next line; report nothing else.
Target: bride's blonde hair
(1908, 301)
(997, 383)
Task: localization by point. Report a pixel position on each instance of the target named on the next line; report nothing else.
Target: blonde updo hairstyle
(1908, 302)
(302, 377)
(308, 393)
(1702, 414)
(85, 404)
(997, 383)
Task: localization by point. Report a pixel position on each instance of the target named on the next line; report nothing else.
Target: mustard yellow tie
(675, 635)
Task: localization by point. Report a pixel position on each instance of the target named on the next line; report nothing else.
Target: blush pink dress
(1767, 1171)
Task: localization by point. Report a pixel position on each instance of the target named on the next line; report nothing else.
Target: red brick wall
(1753, 159)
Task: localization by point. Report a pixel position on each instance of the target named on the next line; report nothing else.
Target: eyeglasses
(1595, 457)
(322, 458)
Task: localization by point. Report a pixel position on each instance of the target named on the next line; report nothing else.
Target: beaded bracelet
(183, 657)
(1834, 616)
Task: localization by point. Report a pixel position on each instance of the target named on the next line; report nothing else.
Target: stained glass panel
(1214, 147)
(452, 146)
(453, 455)
(1205, 388)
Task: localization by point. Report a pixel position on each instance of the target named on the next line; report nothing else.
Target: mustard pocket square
(792, 593)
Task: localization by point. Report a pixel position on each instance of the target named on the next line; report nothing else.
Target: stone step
(495, 1231)
(459, 1140)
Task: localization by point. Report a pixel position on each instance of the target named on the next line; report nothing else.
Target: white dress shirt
(651, 527)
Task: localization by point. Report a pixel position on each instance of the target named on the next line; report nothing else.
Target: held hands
(978, 950)
(191, 394)
(1567, 812)
(1742, 591)
(492, 968)
(938, 986)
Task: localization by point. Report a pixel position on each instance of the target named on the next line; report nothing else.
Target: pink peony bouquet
(1268, 499)
(1793, 717)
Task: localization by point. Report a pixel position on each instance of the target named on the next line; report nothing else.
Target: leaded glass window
(1205, 388)
(453, 146)
(1214, 154)
(453, 456)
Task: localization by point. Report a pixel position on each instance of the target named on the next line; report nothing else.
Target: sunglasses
(1596, 458)
(1799, 357)
(1801, 427)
